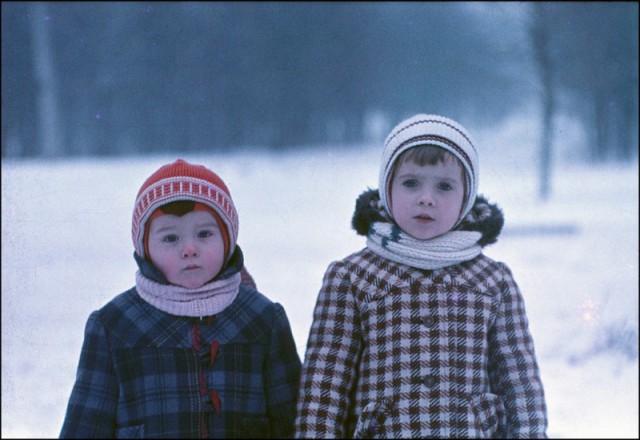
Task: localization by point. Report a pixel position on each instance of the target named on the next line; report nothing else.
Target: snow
(66, 250)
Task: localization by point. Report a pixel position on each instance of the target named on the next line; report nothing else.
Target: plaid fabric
(139, 373)
(398, 352)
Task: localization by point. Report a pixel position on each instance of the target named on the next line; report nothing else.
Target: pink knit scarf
(210, 299)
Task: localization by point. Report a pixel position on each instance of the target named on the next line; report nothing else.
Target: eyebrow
(163, 229)
(208, 225)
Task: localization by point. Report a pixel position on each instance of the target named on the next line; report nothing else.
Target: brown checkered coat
(399, 352)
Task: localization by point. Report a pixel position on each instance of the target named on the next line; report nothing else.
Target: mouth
(192, 267)
(423, 218)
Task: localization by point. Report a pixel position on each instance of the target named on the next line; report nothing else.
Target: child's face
(426, 200)
(189, 250)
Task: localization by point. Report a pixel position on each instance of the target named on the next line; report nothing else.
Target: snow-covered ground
(66, 250)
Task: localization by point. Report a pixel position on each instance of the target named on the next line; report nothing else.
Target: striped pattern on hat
(181, 180)
(423, 129)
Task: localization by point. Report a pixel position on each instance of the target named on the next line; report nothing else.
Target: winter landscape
(66, 250)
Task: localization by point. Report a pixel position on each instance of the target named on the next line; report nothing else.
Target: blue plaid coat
(146, 373)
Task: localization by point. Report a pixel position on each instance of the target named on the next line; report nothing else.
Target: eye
(410, 183)
(172, 238)
(205, 234)
(444, 186)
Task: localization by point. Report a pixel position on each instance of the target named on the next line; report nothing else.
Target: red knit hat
(177, 181)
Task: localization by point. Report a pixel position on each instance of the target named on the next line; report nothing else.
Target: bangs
(178, 208)
(427, 155)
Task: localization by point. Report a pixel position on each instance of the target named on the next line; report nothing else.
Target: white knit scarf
(389, 241)
(210, 299)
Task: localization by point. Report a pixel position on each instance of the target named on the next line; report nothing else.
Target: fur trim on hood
(484, 217)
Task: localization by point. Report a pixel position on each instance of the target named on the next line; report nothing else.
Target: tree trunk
(628, 135)
(49, 132)
(540, 40)
(600, 124)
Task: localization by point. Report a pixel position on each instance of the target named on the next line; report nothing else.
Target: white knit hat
(435, 130)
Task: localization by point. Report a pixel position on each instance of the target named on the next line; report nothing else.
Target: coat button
(429, 381)
(429, 321)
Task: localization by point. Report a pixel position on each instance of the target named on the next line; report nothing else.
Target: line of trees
(103, 78)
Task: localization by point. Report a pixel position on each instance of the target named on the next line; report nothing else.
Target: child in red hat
(193, 350)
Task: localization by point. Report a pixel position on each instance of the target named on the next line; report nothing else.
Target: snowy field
(66, 250)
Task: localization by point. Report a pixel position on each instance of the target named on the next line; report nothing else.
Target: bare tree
(539, 32)
(49, 132)
(598, 68)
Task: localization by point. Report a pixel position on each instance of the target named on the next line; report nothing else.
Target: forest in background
(112, 78)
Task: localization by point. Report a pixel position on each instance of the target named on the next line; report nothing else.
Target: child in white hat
(193, 350)
(419, 334)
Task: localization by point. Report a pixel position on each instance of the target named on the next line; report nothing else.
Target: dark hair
(178, 208)
(429, 155)
(426, 155)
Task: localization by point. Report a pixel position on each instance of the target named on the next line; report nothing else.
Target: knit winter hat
(435, 130)
(177, 181)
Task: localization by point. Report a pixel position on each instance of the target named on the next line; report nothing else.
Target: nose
(189, 250)
(426, 198)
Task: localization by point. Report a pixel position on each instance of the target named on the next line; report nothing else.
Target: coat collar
(485, 217)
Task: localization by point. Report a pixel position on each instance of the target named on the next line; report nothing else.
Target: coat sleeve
(283, 375)
(91, 411)
(329, 369)
(513, 369)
